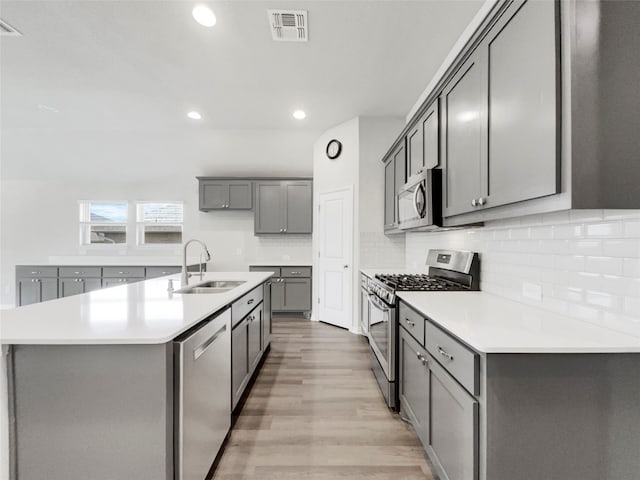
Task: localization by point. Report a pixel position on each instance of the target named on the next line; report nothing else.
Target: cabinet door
(415, 152)
(414, 385)
(28, 291)
(254, 332)
(277, 294)
(297, 294)
(214, 195)
(430, 126)
(400, 166)
(453, 432)
(299, 207)
(239, 361)
(464, 103)
(266, 316)
(522, 118)
(240, 195)
(70, 286)
(389, 194)
(269, 217)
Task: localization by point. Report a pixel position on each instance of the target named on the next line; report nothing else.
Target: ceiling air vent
(289, 25)
(8, 30)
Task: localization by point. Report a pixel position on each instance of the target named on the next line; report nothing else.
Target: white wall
(364, 142)
(586, 262)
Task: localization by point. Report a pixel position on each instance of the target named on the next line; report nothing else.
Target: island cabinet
(501, 114)
(283, 207)
(247, 341)
(395, 176)
(224, 194)
(36, 284)
(519, 413)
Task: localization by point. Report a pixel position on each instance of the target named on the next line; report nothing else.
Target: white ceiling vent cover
(8, 30)
(289, 25)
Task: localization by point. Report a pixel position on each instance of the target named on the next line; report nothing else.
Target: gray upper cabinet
(223, 194)
(522, 109)
(389, 194)
(501, 111)
(284, 207)
(464, 155)
(299, 207)
(395, 176)
(423, 141)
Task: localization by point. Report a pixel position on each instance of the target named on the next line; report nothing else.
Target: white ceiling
(116, 67)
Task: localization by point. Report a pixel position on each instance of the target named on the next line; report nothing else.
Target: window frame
(140, 225)
(84, 211)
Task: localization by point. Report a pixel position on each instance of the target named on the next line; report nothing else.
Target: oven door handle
(378, 304)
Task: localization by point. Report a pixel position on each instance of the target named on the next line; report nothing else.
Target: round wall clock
(334, 148)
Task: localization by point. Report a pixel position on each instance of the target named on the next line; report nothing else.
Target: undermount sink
(214, 286)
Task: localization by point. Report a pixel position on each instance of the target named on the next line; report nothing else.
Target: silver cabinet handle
(198, 351)
(419, 355)
(35, 273)
(410, 322)
(285, 229)
(122, 273)
(250, 301)
(482, 201)
(474, 203)
(78, 273)
(445, 354)
(35, 280)
(296, 273)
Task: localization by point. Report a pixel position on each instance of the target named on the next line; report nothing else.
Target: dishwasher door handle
(198, 351)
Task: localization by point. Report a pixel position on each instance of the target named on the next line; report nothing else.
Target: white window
(159, 223)
(103, 223)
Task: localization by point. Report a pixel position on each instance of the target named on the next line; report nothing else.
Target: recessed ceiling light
(299, 115)
(194, 115)
(204, 15)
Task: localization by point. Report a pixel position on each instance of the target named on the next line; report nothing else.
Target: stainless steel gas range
(448, 270)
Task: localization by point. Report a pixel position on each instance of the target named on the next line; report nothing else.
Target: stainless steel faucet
(207, 257)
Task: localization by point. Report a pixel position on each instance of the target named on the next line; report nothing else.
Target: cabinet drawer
(275, 270)
(118, 272)
(457, 359)
(296, 272)
(247, 303)
(154, 272)
(36, 271)
(412, 321)
(80, 272)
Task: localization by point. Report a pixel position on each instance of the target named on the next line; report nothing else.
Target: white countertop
(491, 324)
(137, 313)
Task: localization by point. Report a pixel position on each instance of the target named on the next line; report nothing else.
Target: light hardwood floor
(315, 412)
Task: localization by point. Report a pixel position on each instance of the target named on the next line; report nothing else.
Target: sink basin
(214, 286)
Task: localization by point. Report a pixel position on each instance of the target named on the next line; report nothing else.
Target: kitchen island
(95, 383)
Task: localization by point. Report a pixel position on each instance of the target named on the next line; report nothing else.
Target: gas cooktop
(418, 282)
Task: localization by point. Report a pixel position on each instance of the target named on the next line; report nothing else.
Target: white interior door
(335, 248)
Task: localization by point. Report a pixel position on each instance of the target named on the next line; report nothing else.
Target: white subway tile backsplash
(588, 262)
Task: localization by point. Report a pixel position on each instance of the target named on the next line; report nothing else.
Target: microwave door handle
(415, 201)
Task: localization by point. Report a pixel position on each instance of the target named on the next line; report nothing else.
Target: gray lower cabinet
(35, 290)
(254, 341)
(239, 361)
(414, 385)
(283, 207)
(290, 287)
(266, 316)
(453, 426)
(247, 342)
(75, 286)
(224, 194)
(115, 281)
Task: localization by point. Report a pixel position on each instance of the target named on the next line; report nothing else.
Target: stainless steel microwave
(420, 201)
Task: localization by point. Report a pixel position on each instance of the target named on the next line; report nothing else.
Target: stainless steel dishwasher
(203, 396)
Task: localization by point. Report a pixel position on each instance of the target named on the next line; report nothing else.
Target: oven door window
(379, 333)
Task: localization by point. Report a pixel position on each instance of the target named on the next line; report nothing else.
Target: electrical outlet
(532, 291)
